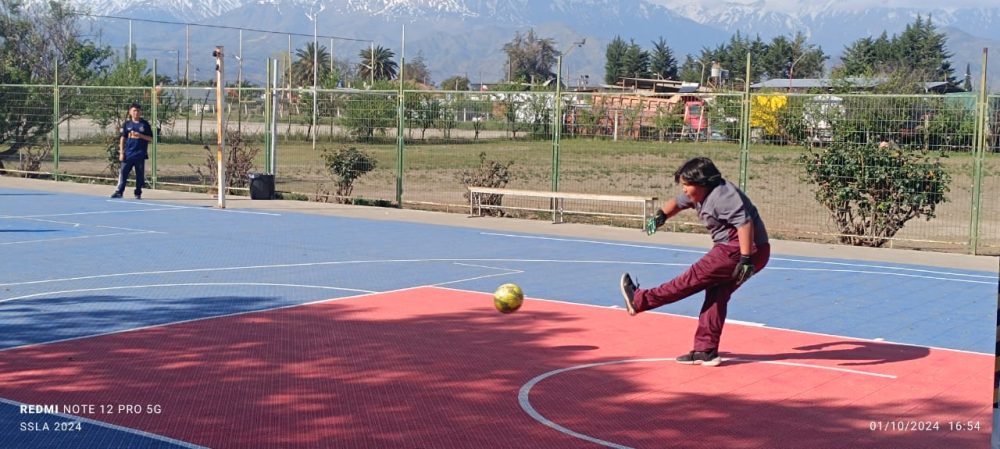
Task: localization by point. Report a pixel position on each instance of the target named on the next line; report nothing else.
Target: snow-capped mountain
(186, 10)
(467, 36)
(833, 22)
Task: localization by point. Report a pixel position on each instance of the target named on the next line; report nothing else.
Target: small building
(859, 84)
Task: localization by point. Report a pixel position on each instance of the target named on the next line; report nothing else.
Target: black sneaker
(116, 195)
(706, 358)
(138, 196)
(628, 291)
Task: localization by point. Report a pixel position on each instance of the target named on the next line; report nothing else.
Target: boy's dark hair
(135, 105)
(699, 171)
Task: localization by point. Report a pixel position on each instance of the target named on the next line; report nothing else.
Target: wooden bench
(557, 202)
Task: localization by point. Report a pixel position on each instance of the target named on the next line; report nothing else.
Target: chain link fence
(422, 147)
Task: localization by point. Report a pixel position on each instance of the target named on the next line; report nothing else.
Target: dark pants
(140, 175)
(712, 273)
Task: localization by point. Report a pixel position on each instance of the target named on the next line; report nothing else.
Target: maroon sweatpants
(712, 273)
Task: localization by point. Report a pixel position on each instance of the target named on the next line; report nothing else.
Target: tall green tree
(635, 62)
(614, 66)
(776, 60)
(371, 113)
(866, 56)
(922, 49)
(530, 57)
(416, 70)
(689, 70)
(302, 68)
(919, 53)
(661, 61)
(33, 42)
(378, 62)
(805, 60)
(732, 56)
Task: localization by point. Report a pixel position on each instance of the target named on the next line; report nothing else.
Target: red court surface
(439, 368)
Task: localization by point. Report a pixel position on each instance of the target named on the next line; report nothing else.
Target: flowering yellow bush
(764, 111)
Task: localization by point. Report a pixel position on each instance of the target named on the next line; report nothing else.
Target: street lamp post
(574, 46)
(239, 82)
(177, 61)
(701, 81)
(315, 20)
(129, 56)
(239, 90)
(559, 119)
(791, 70)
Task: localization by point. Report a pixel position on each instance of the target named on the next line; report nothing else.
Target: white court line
(487, 266)
(883, 273)
(197, 208)
(77, 238)
(99, 212)
(138, 432)
(751, 324)
(327, 263)
(746, 323)
(193, 320)
(118, 228)
(523, 395)
(508, 272)
(353, 262)
(665, 248)
(189, 284)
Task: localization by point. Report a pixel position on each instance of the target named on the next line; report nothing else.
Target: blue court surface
(79, 266)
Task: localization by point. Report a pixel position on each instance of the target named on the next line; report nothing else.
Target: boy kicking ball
(740, 249)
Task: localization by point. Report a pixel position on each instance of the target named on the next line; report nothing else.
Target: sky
(793, 5)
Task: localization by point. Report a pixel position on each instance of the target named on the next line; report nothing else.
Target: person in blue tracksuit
(136, 133)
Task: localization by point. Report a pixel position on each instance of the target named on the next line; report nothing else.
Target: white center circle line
(524, 401)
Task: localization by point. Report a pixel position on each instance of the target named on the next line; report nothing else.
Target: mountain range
(466, 37)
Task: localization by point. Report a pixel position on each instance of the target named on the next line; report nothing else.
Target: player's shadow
(852, 352)
(39, 320)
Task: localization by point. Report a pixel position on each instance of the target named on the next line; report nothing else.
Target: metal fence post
(399, 130)
(273, 124)
(979, 149)
(267, 116)
(156, 124)
(55, 127)
(745, 135)
(558, 126)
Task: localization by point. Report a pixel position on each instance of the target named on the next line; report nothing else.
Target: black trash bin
(261, 186)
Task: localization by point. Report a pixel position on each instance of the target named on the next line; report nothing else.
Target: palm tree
(378, 62)
(302, 68)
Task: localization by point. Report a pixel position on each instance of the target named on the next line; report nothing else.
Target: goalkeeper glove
(655, 222)
(744, 269)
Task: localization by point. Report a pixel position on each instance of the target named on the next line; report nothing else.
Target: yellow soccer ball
(508, 298)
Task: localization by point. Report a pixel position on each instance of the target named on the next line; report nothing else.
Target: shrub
(240, 155)
(872, 190)
(31, 157)
(347, 165)
(490, 173)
